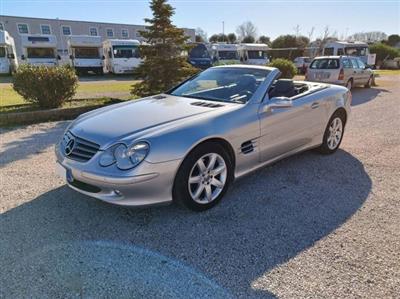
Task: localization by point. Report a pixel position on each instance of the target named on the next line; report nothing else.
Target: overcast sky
(272, 18)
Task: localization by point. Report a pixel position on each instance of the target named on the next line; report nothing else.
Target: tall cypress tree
(164, 65)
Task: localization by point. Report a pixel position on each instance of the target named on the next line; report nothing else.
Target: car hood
(110, 124)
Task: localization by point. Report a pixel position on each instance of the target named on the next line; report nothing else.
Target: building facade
(17, 26)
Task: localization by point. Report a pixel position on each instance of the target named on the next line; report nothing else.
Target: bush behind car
(287, 67)
(47, 87)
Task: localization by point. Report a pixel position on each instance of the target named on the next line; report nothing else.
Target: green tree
(294, 44)
(248, 39)
(264, 40)
(393, 40)
(232, 38)
(164, 65)
(383, 52)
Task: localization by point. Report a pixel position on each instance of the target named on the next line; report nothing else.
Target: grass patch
(85, 90)
(387, 72)
(69, 104)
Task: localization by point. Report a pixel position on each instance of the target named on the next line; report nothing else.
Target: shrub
(287, 68)
(383, 52)
(47, 87)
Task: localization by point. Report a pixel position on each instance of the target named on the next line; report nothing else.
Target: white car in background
(302, 63)
(348, 71)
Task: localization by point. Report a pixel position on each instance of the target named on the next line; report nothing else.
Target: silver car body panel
(173, 126)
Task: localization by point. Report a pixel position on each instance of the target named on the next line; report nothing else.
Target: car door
(357, 72)
(364, 74)
(283, 129)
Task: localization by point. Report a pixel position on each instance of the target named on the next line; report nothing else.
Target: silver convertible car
(190, 143)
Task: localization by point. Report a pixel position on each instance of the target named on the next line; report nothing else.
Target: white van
(254, 54)
(122, 56)
(86, 53)
(39, 49)
(342, 48)
(8, 61)
(225, 53)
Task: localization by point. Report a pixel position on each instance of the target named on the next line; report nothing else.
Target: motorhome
(224, 53)
(199, 56)
(86, 53)
(39, 49)
(122, 56)
(359, 49)
(8, 61)
(253, 54)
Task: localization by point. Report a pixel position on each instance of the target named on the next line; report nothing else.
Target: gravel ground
(309, 226)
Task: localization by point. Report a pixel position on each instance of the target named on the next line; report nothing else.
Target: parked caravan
(39, 49)
(122, 56)
(342, 48)
(86, 53)
(199, 56)
(223, 53)
(254, 54)
(8, 61)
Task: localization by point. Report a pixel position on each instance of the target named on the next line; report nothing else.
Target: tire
(329, 146)
(202, 185)
(369, 82)
(349, 84)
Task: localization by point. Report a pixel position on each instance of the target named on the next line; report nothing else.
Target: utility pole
(223, 31)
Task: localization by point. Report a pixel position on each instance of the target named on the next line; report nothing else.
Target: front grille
(82, 150)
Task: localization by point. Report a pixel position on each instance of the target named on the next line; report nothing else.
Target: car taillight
(341, 75)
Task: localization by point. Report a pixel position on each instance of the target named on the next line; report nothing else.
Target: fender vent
(159, 97)
(247, 147)
(205, 104)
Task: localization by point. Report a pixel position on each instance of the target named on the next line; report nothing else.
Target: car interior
(286, 88)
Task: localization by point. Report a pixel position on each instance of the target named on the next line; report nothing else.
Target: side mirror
(71, 57)
(22, 57)
(11, 56)
(103, 57)
(366, 67)
(278, 103)
(58, 57)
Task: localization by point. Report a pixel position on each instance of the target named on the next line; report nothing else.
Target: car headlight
(125, 157)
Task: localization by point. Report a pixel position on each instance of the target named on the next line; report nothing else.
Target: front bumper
(146, 184)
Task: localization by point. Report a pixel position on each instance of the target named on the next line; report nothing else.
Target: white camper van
(254, 54)
(8, 61)
(342, 48)
(122, 56)
(86, 53)
(39, 49)
(225, 52)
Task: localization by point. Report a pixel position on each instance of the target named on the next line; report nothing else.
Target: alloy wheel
(335, 133)
(207, 178)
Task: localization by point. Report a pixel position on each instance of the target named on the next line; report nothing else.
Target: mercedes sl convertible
(189, 144)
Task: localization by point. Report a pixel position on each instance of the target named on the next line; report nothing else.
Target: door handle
(314, 105)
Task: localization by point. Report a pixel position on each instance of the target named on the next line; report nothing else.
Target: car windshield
(40, 53)
(223, 84)
(87, 53)
(228, 55)
(256, 54)
(2, 52)
(326, 63)
(126, 51)
(200, 51)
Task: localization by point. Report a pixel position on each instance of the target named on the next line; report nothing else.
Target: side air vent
(159, 97)
(247, 147)
(205, 104)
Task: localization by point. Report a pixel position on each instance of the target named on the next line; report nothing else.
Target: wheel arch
(341, 111)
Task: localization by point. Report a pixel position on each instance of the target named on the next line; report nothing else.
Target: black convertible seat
(283, 88)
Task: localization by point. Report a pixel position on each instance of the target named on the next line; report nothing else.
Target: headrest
(283, 85)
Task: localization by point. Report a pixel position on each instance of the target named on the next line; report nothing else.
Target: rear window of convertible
(328, 63)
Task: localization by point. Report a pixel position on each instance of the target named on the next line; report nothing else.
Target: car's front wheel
(333, 134)
(203, 177)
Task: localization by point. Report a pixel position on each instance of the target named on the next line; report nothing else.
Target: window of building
(66, 30)
(93, 31)
(45, 29)
(110, 32)
(23, 28)
(138, 34)
(1, 26)
(125, 33)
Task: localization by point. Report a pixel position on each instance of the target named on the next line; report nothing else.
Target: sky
(271, 17)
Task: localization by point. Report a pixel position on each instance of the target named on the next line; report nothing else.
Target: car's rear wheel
(333, 134)
(203, 177)
(349, 84)
(369, 82)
